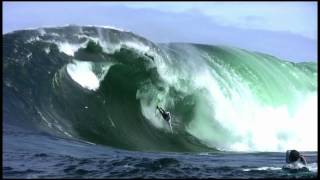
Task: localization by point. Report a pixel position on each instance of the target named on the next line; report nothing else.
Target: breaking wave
(102, 85)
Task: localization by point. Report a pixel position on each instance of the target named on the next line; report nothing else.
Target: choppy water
(33, 155)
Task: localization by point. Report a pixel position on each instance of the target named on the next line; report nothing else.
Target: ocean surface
(79, 102)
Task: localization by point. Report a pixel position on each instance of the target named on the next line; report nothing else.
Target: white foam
(81, 72)
(110, 48)
(107, 27)
(313, 167)
(47, 50)
(54, 34)
(264, 168)
(68, 48)
(32, 39)
(29, 55)
(42, 31)
(136, 45)
(95, 39)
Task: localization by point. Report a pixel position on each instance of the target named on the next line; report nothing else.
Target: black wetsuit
(294, 156)
(166, 115)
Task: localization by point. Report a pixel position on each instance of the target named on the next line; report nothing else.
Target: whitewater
(99, 87)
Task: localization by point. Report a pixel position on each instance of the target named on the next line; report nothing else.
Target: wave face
(102, 85)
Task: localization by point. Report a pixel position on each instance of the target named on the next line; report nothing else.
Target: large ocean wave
(102, 85)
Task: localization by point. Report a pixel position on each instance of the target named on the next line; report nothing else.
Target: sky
(287, 30)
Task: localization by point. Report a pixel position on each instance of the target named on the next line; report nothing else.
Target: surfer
(293, 157)
(296, 162)
(166, 115)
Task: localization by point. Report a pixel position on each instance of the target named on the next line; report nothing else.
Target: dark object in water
(292, 156)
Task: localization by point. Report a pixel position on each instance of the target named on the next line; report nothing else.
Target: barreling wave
(102, 85)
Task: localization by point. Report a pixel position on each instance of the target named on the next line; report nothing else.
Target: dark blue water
(29, 154)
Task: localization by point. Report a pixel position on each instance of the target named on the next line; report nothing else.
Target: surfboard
(170, 126)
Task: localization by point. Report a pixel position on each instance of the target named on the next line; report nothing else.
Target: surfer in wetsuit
(293, 156)
(166, 115)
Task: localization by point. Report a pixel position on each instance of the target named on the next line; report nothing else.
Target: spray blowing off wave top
(102, 85)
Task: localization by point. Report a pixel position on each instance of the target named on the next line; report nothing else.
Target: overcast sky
(285, 29)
